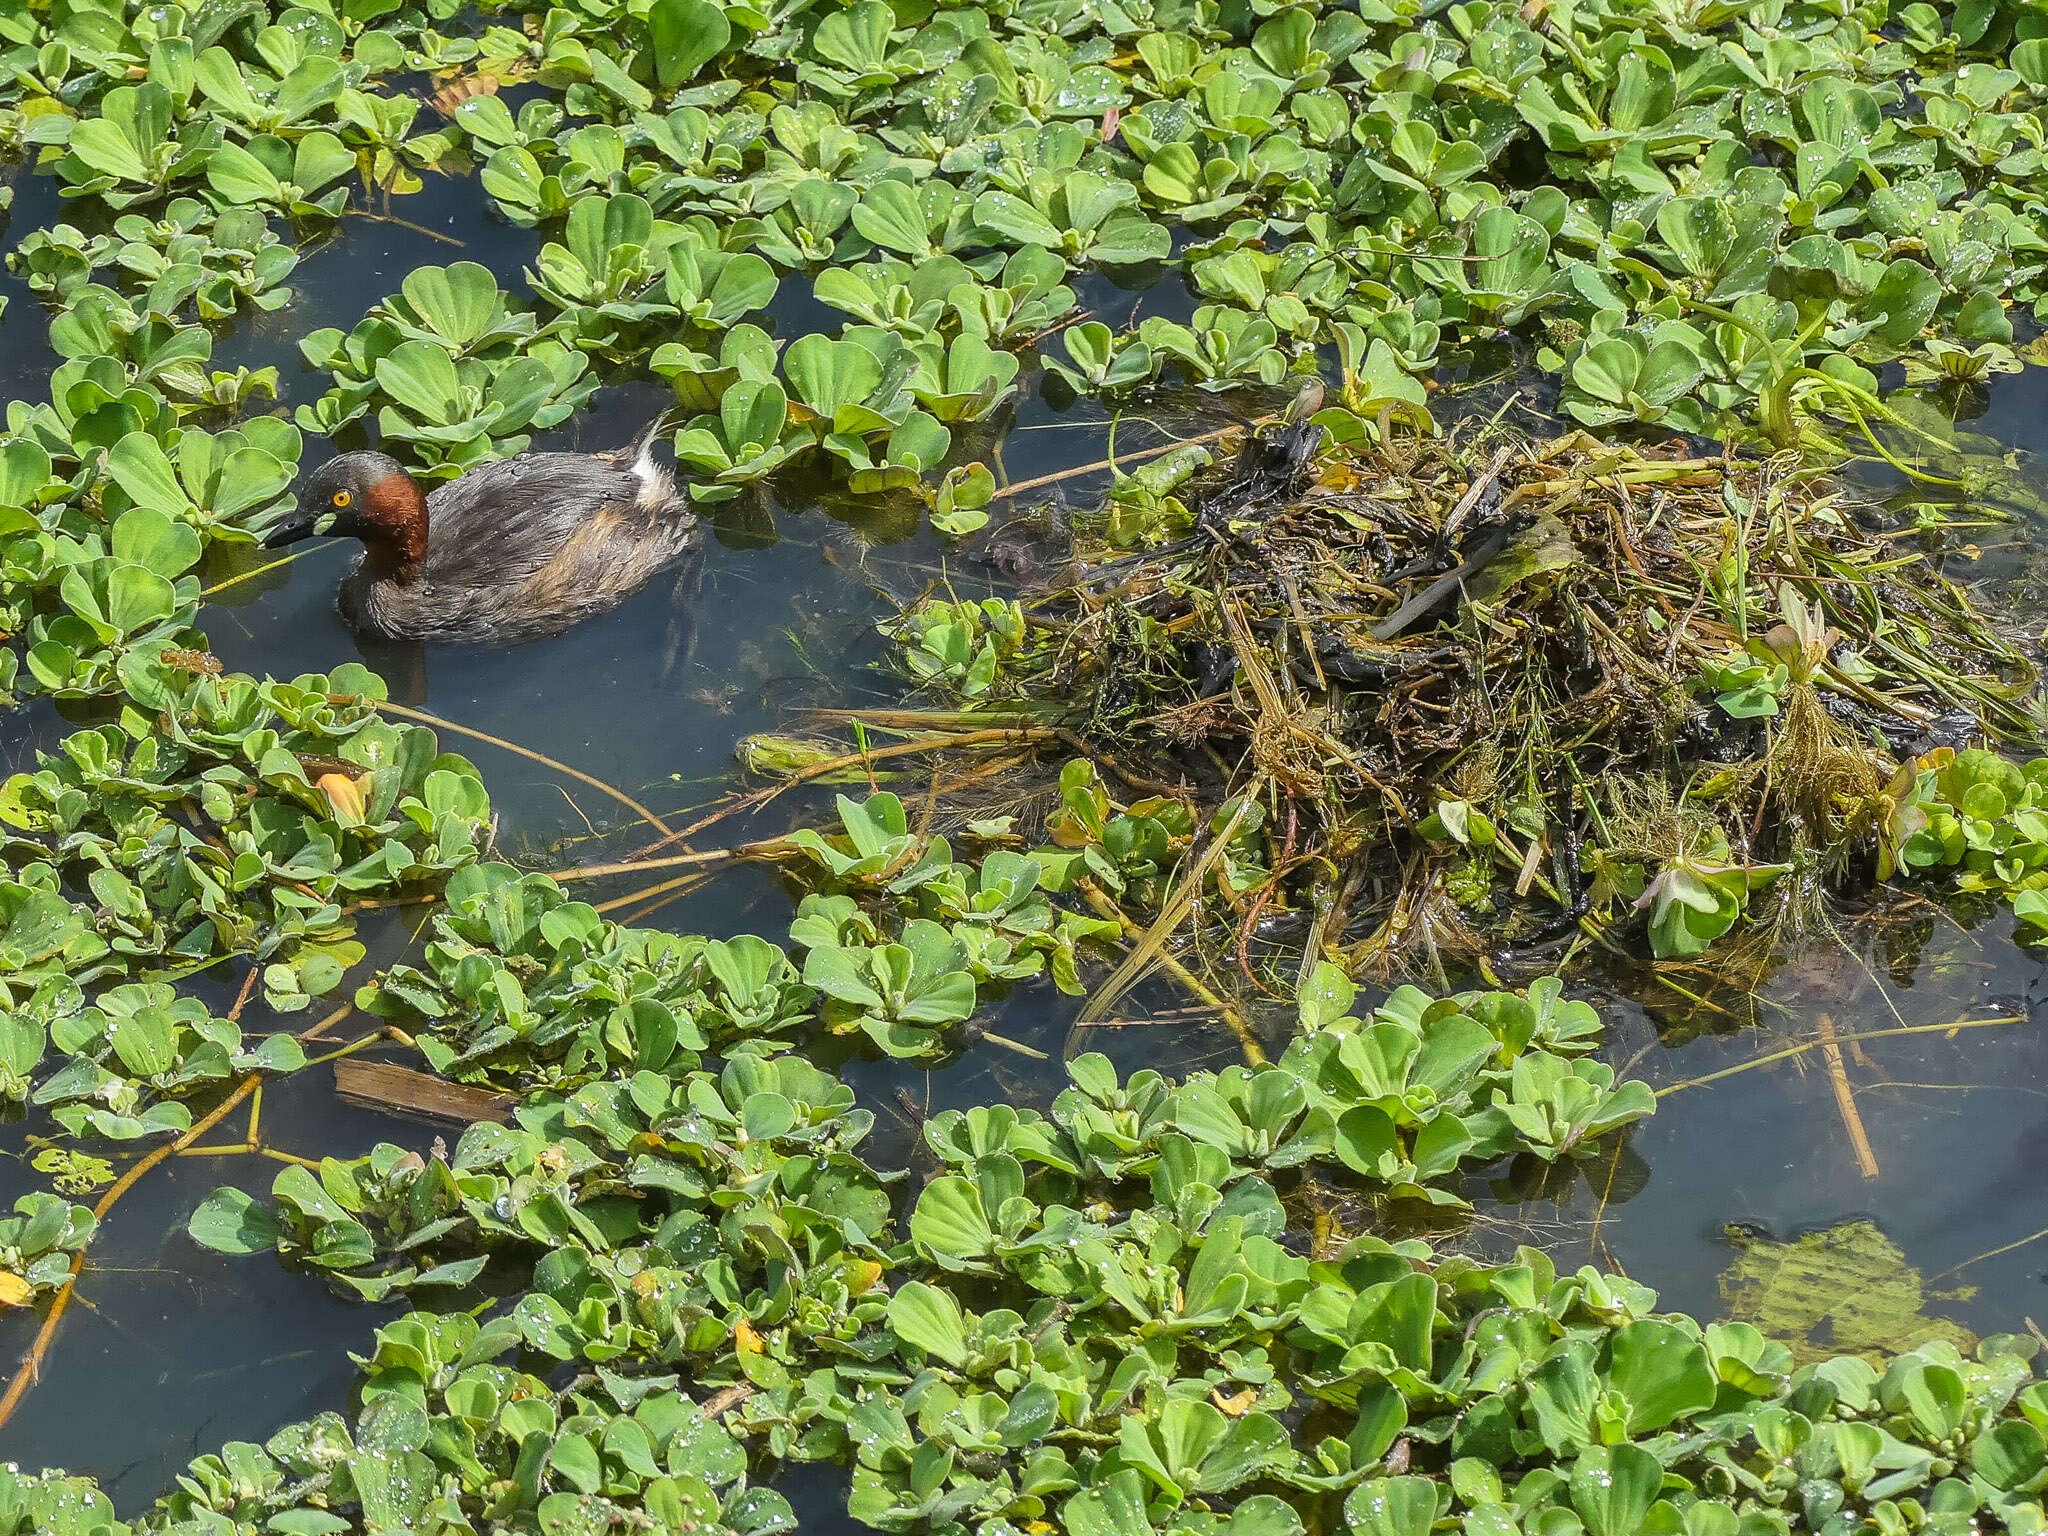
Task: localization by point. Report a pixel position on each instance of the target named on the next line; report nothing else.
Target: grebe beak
(295, 525)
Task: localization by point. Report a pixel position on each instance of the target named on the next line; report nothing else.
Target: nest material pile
(1433, 658)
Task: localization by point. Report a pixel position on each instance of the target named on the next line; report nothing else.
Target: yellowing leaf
(861, 1275)
(1236, 1405)
(15, 1291)
(348, 796)
(745, 1339)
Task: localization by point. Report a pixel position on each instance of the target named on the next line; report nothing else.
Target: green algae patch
(1847, 1290)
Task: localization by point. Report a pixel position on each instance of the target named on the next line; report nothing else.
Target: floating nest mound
(1485, 688)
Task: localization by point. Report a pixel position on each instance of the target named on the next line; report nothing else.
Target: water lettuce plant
(218, 261)
(1334, 172)
(1977, 813)
(595, 997)
(226, 817)
(619, 1281)
(1085, 1315)
(1010, 1345)
(37, 1243)
(676, 1267)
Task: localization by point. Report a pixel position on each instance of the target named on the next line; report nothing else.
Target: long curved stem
(406, 711)
(1856, 402)
(1774, 400)
(1840, 1039)
(31, 1364)
(1110, 463)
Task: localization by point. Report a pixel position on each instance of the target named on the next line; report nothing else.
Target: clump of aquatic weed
(1491, 691)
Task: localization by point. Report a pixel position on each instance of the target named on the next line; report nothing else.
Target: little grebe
(509, 551)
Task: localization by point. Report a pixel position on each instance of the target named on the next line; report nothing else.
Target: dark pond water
(173, 1349)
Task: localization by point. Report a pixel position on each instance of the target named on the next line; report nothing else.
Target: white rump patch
(657, 487)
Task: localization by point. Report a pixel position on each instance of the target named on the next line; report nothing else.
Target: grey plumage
(514, 550)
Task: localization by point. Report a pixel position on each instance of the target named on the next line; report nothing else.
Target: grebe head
(367, 496)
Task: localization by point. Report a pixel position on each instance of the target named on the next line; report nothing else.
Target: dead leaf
(1110, 118)
(725, 1399)
(456, 89)
(1237, 1405)
(15, 1291)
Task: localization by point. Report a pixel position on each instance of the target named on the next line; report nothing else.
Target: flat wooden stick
(399, 1090)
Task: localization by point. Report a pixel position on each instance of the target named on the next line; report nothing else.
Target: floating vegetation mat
(1500, 690)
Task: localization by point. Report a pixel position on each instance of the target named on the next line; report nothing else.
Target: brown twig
(360, 1043)
(31, 1364)
(1992, 1253)
(665, 888)
(1148, 946)
(1142, 454)
(758, 850)
(1808, 1045)
(753, 802)
(328, 1023)
(250, 575)
(725, 1399)
(1845, 1097)
(418, 229)
(242, 997)
(670, 891)
(1258, 904)
(1057, 326)
(1002, 736)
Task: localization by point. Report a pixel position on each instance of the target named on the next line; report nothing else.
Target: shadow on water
(174, 1349)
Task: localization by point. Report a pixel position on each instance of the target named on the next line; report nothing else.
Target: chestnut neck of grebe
(394, 527)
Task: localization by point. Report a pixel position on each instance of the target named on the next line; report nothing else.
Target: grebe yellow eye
(342, 498)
